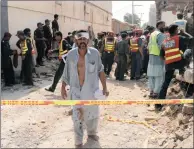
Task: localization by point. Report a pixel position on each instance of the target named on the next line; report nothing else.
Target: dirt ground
(50, 127)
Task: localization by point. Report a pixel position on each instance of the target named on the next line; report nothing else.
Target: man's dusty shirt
(93, 66)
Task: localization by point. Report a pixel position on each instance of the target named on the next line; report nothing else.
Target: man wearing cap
(108, 52)
(40, 43)
(122, 50)
(82, 73)
(26, 52)
(6, 62)
(172, 52)
(47, 36)
(63, 49)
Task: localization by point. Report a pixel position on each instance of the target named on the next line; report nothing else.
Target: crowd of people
(154, 52)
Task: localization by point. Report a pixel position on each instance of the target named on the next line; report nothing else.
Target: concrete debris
(42, 121)
(150, 118)
(179, 135)
(188, 109)
(164, 120)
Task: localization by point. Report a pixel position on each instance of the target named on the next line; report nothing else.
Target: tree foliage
(128, 18)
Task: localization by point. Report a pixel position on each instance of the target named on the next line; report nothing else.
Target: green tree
(128, 18)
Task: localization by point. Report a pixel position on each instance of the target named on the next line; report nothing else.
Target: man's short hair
(123, 35)
(26, 31)
(47, 20)
(159, 22)
(7, 34)
(166, 29)
(58, 33)
(172, 28)
(56, 16)
(145, 32)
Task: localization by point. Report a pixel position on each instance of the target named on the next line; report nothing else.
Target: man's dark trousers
(108, 60)
(58, 75)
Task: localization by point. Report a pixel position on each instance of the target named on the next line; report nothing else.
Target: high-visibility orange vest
(172, 51)
(61, 51)
(109, 46)
(134, 45)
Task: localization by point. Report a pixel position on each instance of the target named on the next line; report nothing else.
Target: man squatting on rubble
(82, 72)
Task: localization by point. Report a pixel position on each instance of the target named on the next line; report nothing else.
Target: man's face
(48, 23)
(40, 26)
(161, 27)
(82, 43)
(56, 18)
(71, 38)
(29, 34)
(58, 38)
(21, 37)
(176, 31)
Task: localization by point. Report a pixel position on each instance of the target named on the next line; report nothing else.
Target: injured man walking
(82, 73)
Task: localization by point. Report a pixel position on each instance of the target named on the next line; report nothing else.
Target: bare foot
(93, 137)
(79, 146)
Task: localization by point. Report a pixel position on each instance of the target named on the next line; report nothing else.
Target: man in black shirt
(55, 28)
(6, 62)
(40, 43)
(63, 49)
(47, 36)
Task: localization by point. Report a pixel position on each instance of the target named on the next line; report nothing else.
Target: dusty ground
(48, 126)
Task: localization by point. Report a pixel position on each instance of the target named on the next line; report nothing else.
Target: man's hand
(105, 92)
(63, 92)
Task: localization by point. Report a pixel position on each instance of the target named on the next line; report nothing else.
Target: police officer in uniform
(122, 50)
(26, 52)
(6, 61)
(108, 52)
(64, 47)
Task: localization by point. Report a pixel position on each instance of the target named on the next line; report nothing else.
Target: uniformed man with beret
(122, 51)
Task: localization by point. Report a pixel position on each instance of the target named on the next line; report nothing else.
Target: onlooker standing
(48, 36)
(40, 43)
(55, 28)
(156, 69)
(6, 62)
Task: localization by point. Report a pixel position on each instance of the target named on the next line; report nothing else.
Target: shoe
(158, 107)
(49, 89)
(37, 65)
(132, 78)
(137, 78)
(42, 65)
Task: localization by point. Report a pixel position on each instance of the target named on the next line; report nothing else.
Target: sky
(120, 8)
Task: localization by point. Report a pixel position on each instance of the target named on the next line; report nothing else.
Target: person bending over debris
(82, 72)
(64, 47)
(174, 58)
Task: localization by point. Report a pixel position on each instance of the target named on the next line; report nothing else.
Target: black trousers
(40, 51)
(48, 47)
(168, 77)
(58, 75)
(9, 74)
(27, 70)
(121, 67)
(108, 60)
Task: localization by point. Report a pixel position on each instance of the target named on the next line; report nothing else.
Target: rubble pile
(175, 128)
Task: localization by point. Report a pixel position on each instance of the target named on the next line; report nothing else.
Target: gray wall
(4, 17)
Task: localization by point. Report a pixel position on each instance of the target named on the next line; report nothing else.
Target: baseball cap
(20, 32)
(47, 20)
(39, 23)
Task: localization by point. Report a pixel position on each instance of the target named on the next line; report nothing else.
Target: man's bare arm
(103, 80)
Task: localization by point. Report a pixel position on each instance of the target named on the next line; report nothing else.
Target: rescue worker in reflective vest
(26, 52)
(172, 52)
(64, 47)
(108, 52)
(27, 33)
(136, 56)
